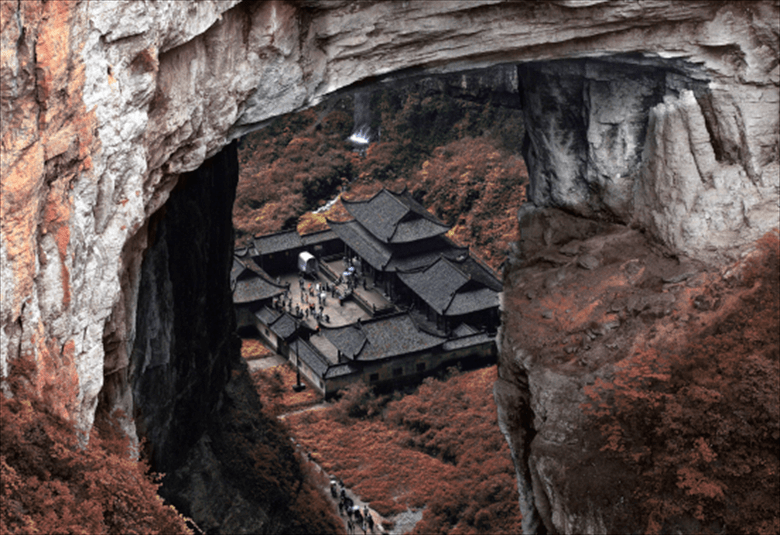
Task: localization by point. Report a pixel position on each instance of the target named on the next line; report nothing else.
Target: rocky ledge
(584, 301)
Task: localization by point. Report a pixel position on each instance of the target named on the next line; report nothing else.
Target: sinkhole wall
(663, 114)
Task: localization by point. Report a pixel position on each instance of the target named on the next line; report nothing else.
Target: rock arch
(105, 105)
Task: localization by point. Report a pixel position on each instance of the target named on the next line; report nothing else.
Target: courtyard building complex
(388, 298)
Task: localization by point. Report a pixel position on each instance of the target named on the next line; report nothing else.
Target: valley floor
(426, 462)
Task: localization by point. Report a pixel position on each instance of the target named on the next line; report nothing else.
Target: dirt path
(378, 519)
(317, 407)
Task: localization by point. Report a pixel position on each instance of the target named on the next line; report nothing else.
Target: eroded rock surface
(566, 324)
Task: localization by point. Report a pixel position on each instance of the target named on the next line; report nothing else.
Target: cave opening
(579, 125)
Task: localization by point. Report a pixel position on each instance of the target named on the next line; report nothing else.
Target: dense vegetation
(458, 157)
(438, 448)
(51, 484)
(699, 419)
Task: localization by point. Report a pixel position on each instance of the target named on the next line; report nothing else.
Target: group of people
(355, 518)
(351, 277)
(312, 301)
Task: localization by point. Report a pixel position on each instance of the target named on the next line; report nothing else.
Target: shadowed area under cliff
(228, 465)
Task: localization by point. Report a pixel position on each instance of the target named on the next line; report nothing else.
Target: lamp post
(298, 386)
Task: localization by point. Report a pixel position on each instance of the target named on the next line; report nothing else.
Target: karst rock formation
(657, 114)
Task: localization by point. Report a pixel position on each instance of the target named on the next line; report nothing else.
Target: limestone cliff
(667, 119)
(584, 301)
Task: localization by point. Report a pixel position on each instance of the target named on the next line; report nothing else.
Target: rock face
(644, 140)
(668, 120)
(185, 344)
(568, 322)
(583, 298)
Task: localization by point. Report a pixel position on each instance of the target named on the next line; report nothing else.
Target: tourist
(358, 516)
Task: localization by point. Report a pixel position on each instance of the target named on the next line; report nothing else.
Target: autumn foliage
(275, 387)
(288, 168)
(477, 189)
(459, 158)
(51, 483)
(699, 416)
(438, 448)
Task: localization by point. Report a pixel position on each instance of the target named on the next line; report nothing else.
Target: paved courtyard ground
(338, 313)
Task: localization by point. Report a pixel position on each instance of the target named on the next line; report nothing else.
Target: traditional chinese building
(427, 302)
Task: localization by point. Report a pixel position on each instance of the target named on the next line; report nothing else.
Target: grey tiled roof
(310, 356)
(281, 324)
(454, 288)
(267, 315)
(473, 301)
(395, 335)
(339, 370)
(235, 271)
(363, 243)
(437, 284)
(468, 341)
(349, 341)
(255, 288)
(395, 217)
(424, 259)
(383, 258)
(480, 273)
(318, 237)
(281, 241)
(382, 338)
(284, 327)
(290, 239)
(324, 346)
(463, 330)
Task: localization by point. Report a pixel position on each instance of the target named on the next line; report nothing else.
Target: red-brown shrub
(51, 484)
(439, 448)
(700, 420)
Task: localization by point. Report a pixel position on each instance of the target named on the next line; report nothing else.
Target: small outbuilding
(307, 264)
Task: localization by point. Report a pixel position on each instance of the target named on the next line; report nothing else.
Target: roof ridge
(274, 233)
(375, 319)
(267, 278)
(371, 198)
(423, 328)
(331, 221)
(400, 219)
(452, 265)
(418, 209)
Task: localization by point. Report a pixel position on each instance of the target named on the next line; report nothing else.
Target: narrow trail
(402, 523)
(378, 519)
(317, 407)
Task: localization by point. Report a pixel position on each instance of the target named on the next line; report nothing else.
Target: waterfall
(361, 131)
